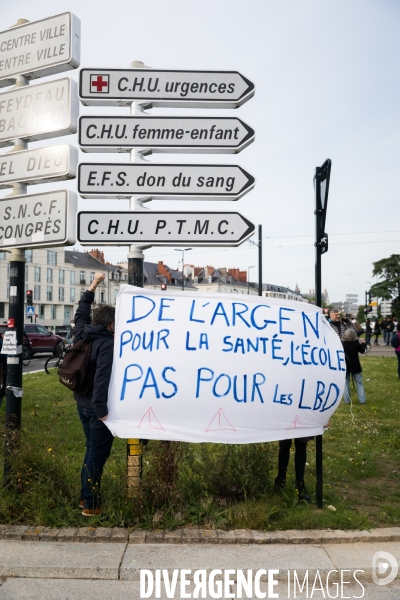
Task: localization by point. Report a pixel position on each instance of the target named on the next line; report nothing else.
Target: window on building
(82, 292)
(28, 255)
(72, 277)
(49, 294)
(72, 294)
(52, 258)
(26, 288)
(3, 255)
(102, 300)
(37, 274)
(36, 292)
(8, 270)
(91, 277)
(49, 275)
(61, 294)
(26, 272)
(41, 311)
(61, 276)
(82, 277)
(2, 310)
(115, 295)
(8, 289)
(53, 311)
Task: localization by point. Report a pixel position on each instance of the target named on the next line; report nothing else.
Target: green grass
(211, 485)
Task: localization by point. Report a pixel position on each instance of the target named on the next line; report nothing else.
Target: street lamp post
(248, 279)
(183, 250)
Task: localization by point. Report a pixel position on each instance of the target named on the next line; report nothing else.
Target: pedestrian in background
(339, 325)
(389, 329)
(300, 458)
(377, 332)
(368, 331)
(395, 341)
(352, 348)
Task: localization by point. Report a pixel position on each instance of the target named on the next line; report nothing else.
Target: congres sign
(201, 367)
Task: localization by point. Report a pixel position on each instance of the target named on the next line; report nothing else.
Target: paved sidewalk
(42, 570)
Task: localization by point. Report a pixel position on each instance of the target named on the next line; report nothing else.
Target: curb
(195, 536)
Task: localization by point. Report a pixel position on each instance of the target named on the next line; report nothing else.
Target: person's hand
(103, 418)
(98, 278)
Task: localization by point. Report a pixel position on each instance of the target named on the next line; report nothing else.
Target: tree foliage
(388, 288)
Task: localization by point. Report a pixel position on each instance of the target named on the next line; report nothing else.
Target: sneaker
(303, 494)
(91, 512)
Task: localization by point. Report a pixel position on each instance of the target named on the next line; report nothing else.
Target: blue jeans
(359, 387)
(99, 441)
(387, 335)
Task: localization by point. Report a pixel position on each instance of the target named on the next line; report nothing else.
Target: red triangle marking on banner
(295, 424)
(150, 421)
(219, 422)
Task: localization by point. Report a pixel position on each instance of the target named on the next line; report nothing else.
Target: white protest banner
(201, 367)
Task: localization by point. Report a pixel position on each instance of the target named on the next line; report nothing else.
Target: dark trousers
(300, 458)
(398, 363)
(99, 441)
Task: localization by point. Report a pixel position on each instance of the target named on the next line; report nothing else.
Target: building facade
(58, 278)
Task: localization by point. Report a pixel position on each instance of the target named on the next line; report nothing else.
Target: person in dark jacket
(92, 408)
(352, 348)
(397, 348)
(377, 332)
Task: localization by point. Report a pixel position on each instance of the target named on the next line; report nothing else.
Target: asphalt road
(37, 362)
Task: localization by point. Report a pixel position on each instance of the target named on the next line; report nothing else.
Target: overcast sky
(327, 86)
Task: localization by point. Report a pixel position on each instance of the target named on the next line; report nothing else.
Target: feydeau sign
(164, 134)
(216, 368)
(163, 181)
(40, 48)
(163, 228)
(190, 89)
(39, 111)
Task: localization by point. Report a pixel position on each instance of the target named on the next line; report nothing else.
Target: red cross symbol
(98, 83)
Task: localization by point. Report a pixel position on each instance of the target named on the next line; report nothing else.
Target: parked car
(42, 340)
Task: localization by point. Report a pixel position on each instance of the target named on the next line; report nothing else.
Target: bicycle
(26, 354)
(54, 362)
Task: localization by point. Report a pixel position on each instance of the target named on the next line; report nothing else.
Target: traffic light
(163, 287)
(29, 297)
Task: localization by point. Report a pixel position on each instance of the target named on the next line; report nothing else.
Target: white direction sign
(163, 181)
(40, 165)
(164, 134)
(39, 111)
(202, 89)
(164, 228)
(36, 220)
(40, 48)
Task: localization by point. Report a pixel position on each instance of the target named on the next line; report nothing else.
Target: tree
(388, 271)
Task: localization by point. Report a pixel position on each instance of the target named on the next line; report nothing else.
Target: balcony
(82, 282)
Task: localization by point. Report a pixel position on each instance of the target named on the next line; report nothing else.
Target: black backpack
(395, 340)
(76, 371)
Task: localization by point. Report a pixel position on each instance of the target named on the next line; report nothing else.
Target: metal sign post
(28, 51)
(140, 88)
(321, 187)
